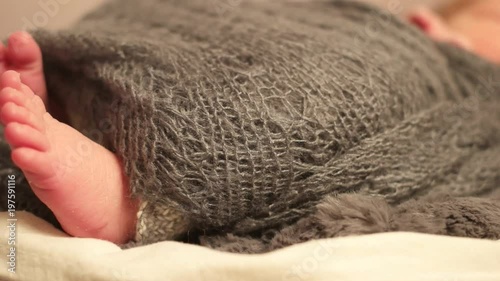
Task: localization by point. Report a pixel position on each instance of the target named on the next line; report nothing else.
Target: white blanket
(44, 253)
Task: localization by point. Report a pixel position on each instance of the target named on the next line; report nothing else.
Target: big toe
(24, 55)
(23, 51)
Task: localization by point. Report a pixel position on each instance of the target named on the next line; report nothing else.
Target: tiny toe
(11, 112)
(23, 51)
(33, 161)
(26, 90)
(11, 79)
(12, 95)
(25, 98)
(36, 105)
(20, 135)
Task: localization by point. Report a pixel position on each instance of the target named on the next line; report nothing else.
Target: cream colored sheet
(46, 254)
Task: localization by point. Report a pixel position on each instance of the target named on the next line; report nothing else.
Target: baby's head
(471, 24)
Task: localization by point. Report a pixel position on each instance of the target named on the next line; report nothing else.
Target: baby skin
(88, 194)
(470, 24)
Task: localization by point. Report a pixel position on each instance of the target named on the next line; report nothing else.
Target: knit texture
(242, 117)
(347, 215)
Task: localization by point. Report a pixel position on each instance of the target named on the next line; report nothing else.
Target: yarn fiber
(245, 118)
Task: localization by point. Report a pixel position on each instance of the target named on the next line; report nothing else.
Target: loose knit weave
(241, 118)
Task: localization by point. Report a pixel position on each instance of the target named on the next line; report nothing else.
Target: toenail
(8, 90)
(24, 34)
(21, 38)
(17, 77)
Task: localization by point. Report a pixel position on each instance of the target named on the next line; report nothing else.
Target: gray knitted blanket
(244, 122)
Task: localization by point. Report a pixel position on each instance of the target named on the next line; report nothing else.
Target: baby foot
(23, 55)
(79, 180)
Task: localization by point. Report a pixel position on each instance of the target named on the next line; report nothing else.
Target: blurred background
(54, 14)
(25, 14)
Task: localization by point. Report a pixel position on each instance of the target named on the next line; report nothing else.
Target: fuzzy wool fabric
(348, 215)
(239, 120)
